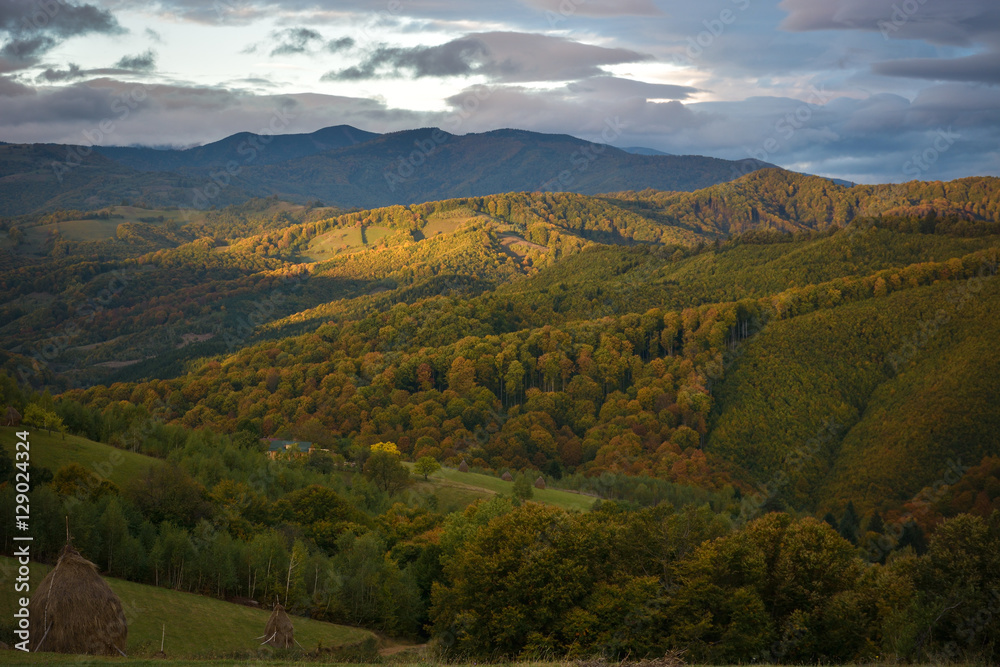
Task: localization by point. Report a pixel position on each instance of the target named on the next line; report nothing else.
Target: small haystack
(11, 417)
(75, 611)
(507, 477)
(463, 466)
(279, 632)
(540, 482)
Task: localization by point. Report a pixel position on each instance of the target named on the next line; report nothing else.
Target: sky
(871, 91)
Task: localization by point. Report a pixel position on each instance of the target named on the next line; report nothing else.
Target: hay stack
(11, 417)
(540, 483)
(463, 466)
(507, 477)
(279, 632)
(74, 611)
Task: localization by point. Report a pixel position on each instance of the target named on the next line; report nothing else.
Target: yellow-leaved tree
(386, 447)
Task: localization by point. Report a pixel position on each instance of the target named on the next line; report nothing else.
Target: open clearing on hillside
(518, 246)
(195, 625)
(343, 240)
(447, 223)
(54, 451)
(485, 486)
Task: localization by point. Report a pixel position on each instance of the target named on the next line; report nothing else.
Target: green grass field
(195, 625)
(347, 239)
(450, 484)
(54, 451)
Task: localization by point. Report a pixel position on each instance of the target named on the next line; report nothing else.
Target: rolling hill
(640, 332)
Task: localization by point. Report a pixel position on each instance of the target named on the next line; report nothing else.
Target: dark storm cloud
(502, 56)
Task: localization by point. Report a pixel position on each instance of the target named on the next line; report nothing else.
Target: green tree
(167, 493)
(850, 525)
(386, 471)
(426, 466)
(37, 416)
(462, 376)
(523, 488)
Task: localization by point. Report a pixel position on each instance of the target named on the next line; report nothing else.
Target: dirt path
(400, 648)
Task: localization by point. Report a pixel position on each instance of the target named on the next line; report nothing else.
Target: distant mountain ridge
(642, 150)
(239, 146)
(341, 166)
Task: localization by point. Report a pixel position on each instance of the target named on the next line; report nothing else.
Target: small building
(295, 448)
(540, 482)
(11, 417)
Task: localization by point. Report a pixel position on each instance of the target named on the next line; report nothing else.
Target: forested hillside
(720, 370)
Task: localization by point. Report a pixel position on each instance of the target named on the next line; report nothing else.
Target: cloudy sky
(866, 90)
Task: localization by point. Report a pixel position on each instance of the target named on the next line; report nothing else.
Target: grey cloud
(27, 50)
(502, 56)
(33, 28)
(19, 17)
(458, 57)
(73, 71)
(78, 103)
(961, 23)
(301, 40)
(153, 35)
(342, 44)
(294, 40)
(984, 67)
(182, 115)
(953, 22)
(10, 87)
(142, 62)
(566, 8)
(618, 87)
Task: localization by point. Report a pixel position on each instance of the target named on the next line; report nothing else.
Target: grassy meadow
(55, 450)
(196, 626)
(449, 483)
